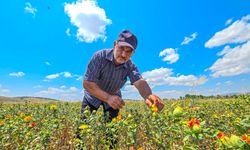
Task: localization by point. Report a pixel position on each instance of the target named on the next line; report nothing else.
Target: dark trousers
(109, 114)
(112, 113)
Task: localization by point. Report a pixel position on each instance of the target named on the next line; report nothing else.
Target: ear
(115, 42)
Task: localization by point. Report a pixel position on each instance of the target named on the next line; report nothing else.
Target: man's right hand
(115, 102)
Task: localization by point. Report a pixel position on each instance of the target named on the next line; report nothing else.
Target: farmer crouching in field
(107, 73)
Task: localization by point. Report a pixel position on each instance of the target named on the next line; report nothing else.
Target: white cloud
(187, 40)
(170, 55)
(38, 86)
(70, 94)
(29, 9)
(47, 63)
(130, 92)
(89, 18)
(162, 76)
(218, 84)
(46, 80)
(226, 50)
(66, 74)
(63, 87)
(3, 91)
(238, 32)
(79, 78)
(17, 74)
(228, 83)
(156, 76)
(170, 94)
(73, 89)
(56, 75)
(234, 62)
(229, 21)
(52, 90)
(52, 76)
(189, 80)
(128, 88)
(68, 32)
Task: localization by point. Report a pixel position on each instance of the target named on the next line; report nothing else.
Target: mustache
(123, 58)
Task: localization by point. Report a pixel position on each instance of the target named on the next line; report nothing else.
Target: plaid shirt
(110, 78)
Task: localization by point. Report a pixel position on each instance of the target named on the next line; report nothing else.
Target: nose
(124, 54)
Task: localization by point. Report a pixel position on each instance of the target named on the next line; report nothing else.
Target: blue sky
(195, 47)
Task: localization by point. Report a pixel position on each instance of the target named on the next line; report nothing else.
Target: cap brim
(125, 44)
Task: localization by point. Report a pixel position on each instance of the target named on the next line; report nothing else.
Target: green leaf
(188, 147)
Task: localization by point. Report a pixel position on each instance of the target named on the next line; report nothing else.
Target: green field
(183, 124)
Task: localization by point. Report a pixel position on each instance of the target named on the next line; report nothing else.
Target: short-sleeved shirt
(109, 77)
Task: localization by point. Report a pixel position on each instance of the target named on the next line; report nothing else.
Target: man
(106, 74)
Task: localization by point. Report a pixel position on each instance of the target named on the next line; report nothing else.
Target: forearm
(96, 91)
(143, 88)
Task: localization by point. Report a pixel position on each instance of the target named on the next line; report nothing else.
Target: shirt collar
(110, 57)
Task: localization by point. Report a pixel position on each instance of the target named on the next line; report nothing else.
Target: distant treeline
(190, 96)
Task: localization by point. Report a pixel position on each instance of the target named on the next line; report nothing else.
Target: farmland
(183, 124)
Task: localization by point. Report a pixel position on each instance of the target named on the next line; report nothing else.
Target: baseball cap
(127, 38)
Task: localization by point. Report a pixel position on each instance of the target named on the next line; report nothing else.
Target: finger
(155, 97)
(120, 104)
(148, 102)
(158, 98)
(115, 105)
(160, 103)
(161, 106)
(123, 103)
(117, 101)
(151, 98)
(120, 107)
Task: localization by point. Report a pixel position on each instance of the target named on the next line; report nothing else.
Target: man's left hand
(154, 99)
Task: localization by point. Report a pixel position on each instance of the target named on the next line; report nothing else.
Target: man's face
(122, 54)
